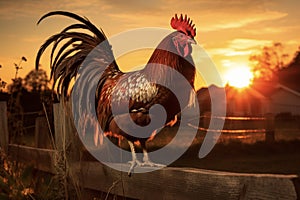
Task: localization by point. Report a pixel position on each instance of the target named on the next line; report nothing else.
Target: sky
(229, 31)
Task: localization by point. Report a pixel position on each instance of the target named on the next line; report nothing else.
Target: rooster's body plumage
(134, 92)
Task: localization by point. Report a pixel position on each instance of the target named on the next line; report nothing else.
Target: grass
(21, 181)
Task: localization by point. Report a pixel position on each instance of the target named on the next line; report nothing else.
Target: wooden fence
(167, 183)
(246, 129)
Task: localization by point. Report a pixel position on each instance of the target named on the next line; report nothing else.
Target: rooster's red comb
(183, 24)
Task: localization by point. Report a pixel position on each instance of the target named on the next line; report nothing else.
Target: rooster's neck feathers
(165, 56)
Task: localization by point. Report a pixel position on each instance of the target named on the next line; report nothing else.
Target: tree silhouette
(36, 81)
(15, 86)
(2, 85)
(296, 60)
(15, 109)
(269, 61)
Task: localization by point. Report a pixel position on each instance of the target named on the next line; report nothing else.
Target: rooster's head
(184, 36)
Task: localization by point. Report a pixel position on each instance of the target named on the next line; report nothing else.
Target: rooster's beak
(192, 41)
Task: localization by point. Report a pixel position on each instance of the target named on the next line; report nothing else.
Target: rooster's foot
(133, 164)
(149, 163)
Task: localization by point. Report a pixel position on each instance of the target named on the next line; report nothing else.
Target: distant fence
(243, 129)
(167, 183)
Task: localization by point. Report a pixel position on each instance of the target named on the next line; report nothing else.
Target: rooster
(140, 88)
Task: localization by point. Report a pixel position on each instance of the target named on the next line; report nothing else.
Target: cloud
(17, 9)
(239, 47)
(292, 42)
(276, 28)
(134, 6)
(227, 20)
(235, 53)
(30, 39)
(245, 43)
(265, 30)
(10, 10)
(218, 51)
(209, 15)
(218, 22)
(228, 52)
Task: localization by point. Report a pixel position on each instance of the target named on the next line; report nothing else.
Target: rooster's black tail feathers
(74, 47)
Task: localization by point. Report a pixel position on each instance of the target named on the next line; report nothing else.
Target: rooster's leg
(146, 159)
(134, 161)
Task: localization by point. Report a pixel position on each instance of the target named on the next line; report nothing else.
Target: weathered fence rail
(167, 183)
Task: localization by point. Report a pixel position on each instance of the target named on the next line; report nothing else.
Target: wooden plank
(66, 142)
(270, 128)
(65, 133)
(167, 183)
(41, 159)
(3, 126)
(59, 122)
(185, 183)
(42, 133)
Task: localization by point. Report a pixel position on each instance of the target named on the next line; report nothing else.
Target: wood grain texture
(3, 126)
(166, 183)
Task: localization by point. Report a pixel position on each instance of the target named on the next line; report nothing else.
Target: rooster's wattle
(134, 92)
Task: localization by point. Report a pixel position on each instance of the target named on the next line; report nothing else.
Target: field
(242, 152)
(279, 158)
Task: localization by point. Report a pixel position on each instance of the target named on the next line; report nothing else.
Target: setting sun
(239, 77)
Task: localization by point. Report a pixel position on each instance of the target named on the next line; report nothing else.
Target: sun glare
(239, 77)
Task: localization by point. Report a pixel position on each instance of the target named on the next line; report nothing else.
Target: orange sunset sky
(228, 30)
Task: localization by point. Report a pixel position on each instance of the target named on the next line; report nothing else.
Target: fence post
(60, 161)
(3, 126)
(59, 123)
(270, 130)
(206, 119)
(67, 146)
(42, 133)
(63, 125)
